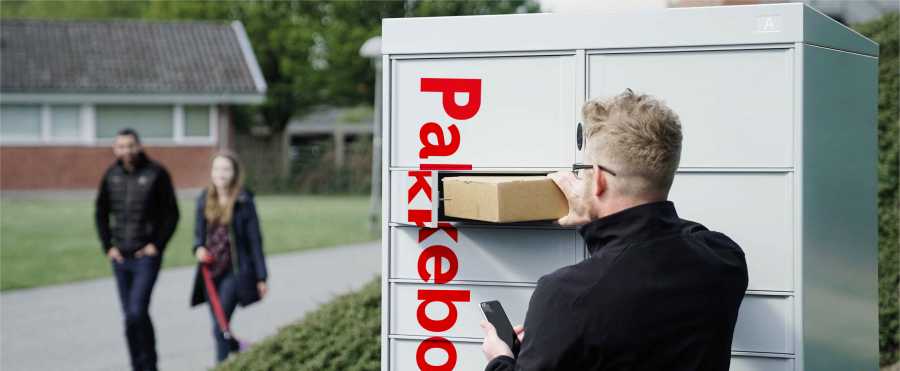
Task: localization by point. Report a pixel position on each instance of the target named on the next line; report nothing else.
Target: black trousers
(226, 287)
(135, 278)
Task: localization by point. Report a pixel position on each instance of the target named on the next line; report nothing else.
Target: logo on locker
(436, 144)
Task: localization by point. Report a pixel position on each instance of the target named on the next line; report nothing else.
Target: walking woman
(227, 238)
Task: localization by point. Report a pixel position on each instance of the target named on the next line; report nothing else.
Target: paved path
(79, 326)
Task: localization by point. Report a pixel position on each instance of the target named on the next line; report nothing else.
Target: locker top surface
(672, 27)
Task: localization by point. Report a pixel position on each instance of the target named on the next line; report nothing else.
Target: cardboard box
(503, 199)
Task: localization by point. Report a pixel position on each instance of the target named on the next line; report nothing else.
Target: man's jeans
(226, 287)
(135, 278)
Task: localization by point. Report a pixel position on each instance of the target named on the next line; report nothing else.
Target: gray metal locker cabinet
(778, 106)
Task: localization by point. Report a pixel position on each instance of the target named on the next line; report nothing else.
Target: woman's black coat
(250, 266)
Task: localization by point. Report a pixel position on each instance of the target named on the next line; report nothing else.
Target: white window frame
(46, 129)
(180, 136)
(88, 129)
(88, 124)
(178, 122)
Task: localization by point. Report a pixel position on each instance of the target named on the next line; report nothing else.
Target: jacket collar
(139, 162)
(632, 225)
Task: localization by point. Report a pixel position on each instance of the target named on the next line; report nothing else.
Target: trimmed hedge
(342, 335)
(885, 31)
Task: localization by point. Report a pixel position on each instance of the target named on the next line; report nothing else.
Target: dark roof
(39, 56)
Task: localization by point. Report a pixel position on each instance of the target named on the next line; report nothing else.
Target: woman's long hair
(215, 212)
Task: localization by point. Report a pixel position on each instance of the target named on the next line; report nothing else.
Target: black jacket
(247, 250)
(136, 208)
(657, 293)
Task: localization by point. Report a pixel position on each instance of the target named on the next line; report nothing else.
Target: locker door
(524, 116)
(468, 355)
(735, 106)
(405, 304)
(753, 209)
(745, 363)
(489, 254)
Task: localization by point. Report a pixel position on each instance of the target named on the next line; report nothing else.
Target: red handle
(214, 298)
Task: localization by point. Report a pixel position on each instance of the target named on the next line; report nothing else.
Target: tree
(309, 52)
(81, 10)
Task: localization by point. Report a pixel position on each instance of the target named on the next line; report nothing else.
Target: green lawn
(44, 242)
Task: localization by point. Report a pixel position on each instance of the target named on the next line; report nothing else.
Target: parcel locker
(778, 110)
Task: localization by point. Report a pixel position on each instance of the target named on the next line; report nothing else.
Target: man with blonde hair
(658, 292)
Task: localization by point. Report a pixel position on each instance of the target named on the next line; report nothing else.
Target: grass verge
(45, 242)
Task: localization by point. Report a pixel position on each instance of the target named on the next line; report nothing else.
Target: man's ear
(600, 184)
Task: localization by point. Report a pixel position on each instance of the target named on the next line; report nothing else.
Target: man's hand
(202, 255)
(573, 189)
(493, 347)
(114, 254)
(149, 250)
(262, 288)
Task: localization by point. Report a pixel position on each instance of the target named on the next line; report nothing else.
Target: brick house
(67, 87)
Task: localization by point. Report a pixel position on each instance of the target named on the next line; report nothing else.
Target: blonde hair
(638, 137)
(215, 212)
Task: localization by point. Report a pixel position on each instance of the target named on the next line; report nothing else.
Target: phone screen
(493, 313)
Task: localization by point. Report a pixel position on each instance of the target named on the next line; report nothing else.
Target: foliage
(885, 31)
(314, 171)
(87, 9)
(342, 335)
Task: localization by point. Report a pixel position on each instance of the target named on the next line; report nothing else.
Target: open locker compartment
(435, 205)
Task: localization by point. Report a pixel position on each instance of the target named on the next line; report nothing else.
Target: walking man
(136, 215)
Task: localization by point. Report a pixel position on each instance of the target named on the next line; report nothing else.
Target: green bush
(314, 170)
(342, 335)
(885, 31)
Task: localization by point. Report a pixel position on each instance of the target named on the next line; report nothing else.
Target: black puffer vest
(129, 193)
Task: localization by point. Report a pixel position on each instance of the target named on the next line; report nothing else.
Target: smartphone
(493, 313)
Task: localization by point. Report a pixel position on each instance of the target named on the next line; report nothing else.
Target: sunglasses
(577, 167)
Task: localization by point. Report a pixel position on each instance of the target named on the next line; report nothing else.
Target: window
(20, 121)
(196, 121)
(65, 122)
(154, 122)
